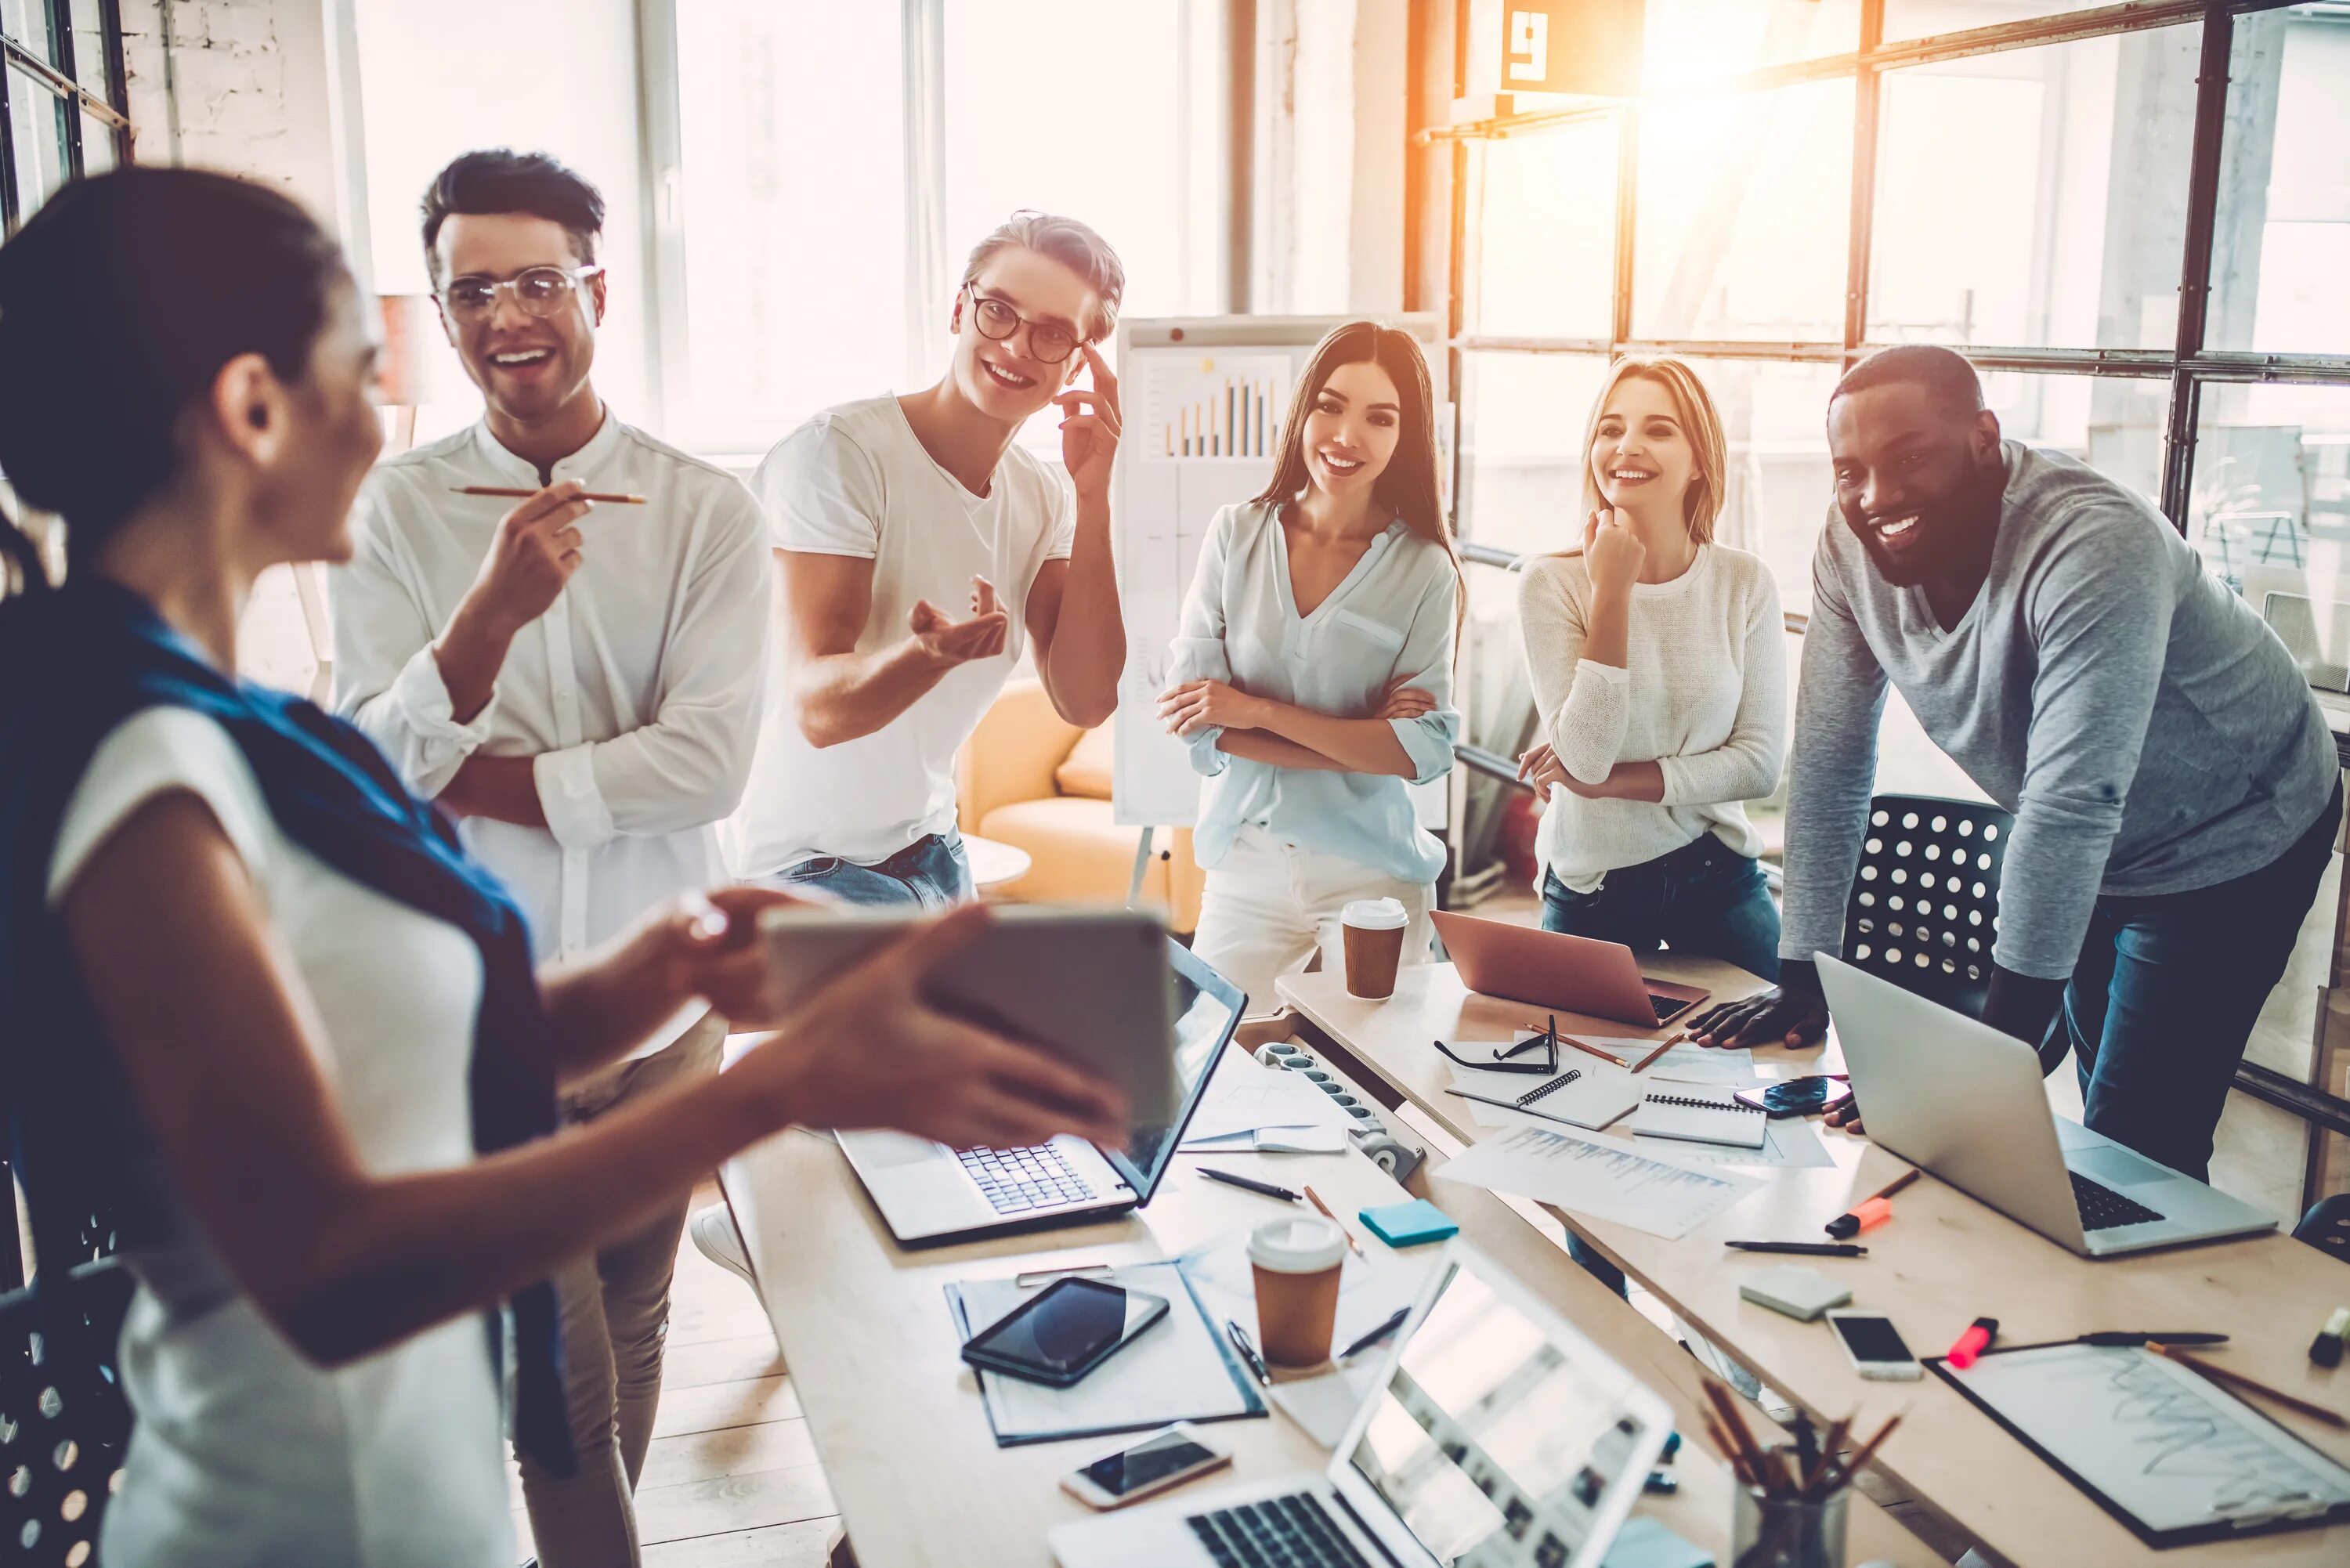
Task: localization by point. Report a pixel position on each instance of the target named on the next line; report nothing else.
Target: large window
(63, 100)
(2146, 257)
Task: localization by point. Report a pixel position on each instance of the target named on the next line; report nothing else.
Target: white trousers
(1268, 906)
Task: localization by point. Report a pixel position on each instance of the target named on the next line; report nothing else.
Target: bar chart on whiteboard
(1211, 404)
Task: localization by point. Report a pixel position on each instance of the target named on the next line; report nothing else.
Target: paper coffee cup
(1296, 1262)
(1373, 931)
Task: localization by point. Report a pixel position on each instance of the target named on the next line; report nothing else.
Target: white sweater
(1704, 696)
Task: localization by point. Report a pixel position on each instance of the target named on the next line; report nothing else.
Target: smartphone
(1063, 1332)
(1798, 1096)
(1162, 1460)
(1877, 1350)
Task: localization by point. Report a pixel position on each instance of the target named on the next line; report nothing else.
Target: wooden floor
(732, 1478)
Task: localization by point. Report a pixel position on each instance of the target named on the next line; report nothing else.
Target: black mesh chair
(1925, 903)
(2326, 1226)
(63, 1417)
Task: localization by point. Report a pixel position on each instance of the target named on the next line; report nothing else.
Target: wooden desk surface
(897, 1417)
(1943, 1261)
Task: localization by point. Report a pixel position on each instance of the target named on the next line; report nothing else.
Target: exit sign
(1589, 48)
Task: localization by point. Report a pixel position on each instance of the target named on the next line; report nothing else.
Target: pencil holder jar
(1782, 1531)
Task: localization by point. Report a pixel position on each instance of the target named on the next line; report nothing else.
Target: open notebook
(1699, 1113)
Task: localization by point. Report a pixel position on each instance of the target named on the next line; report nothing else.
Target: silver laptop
(929, 1194)
(1498, 1434)
(1958, 1097)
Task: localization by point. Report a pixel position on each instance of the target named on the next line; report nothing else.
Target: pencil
(1591, 1050)
(1830, 1446)
(1869, 1449)
(1660, 1051)
(1315, 1198)
(1896, 1185)
(2238, 1380)
(508, 493)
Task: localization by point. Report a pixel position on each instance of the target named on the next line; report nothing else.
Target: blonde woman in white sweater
(1657, 664)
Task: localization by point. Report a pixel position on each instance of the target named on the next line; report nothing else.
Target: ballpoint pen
(1241, 1343)
(1393, 1323)
(1803, 1249)
(1251, 1184)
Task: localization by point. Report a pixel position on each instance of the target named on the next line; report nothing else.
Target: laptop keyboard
(1017, 1179)
(1292, 1532)
(2103, 1209)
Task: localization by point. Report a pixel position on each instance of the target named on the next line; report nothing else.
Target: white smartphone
(1876, 1350)
(1163, 1459)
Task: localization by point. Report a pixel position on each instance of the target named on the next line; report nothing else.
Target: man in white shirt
(889, 516)
(580, 683)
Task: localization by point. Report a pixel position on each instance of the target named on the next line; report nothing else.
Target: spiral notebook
(1697, 1114)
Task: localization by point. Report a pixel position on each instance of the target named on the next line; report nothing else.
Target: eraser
(1410, 1224)
(1801, 1293)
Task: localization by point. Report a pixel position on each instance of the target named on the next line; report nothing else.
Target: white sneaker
(715, 1238)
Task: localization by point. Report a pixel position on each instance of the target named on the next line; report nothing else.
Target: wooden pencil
(2238, 1380)
(1660, 1051)
(1315, 1198)
(508, 493)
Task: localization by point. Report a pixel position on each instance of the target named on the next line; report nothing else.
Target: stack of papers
(1271, 1110)
(1605, 1178)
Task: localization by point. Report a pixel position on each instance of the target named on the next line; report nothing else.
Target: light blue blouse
(1391, 620)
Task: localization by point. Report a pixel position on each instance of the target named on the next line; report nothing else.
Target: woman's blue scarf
(77, 661)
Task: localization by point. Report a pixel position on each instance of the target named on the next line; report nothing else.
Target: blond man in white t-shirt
(920, 552)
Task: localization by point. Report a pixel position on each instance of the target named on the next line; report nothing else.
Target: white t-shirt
(854, 480)
(244, 1452)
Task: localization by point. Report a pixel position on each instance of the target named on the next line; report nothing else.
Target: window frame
(1441, 182)
(57, 78)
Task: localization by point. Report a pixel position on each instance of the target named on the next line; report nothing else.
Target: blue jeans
(928, 873)
(1703, 898)
(2167, 988)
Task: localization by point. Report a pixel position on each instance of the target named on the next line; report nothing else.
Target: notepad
(1700, 1115)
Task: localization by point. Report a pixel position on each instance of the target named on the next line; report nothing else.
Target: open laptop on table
(929, 1194)
(1551, 968)
(1498, 1435)
(1958, 1097)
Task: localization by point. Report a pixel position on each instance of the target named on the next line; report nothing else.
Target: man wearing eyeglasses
(921, 550)
(580, 683)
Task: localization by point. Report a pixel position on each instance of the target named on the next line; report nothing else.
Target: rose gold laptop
(1551, 968)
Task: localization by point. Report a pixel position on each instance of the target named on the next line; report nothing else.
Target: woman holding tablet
(265, 1013)
(1658, 663)
(1312, 670)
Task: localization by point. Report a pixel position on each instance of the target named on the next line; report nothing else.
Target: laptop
(1964, 1101)
(929, 1194)
(1497, 1434)
(1551, 968)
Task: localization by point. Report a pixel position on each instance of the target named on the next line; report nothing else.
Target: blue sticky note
(1645, 1544)
(1410, 1224)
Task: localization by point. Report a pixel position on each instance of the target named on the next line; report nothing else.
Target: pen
(1973, 1343)
(1239, 1337)
(1803, 1249)
(1394, 1321)
(1315, 1198)
(1660, 1051)
(1251, 1184)
(1877, 1205)
(508, 493)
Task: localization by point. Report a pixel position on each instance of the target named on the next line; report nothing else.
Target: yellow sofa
(1030, 778)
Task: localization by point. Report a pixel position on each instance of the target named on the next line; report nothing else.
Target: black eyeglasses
(541, 291)
(997, 321)
(1546, 1042)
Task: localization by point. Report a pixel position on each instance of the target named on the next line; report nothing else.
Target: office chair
(64, 1421)
(2327, 1227)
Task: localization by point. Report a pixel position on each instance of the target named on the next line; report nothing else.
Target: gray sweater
(2149, 733)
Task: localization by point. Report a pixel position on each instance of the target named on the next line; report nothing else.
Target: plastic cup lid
(1306, 1244)
(1374, 915)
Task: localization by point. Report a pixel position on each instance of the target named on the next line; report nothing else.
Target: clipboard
(1155, 1394)
(2148, 1423)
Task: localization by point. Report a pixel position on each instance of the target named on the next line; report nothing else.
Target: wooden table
(1943, 1261)
(898, 1420)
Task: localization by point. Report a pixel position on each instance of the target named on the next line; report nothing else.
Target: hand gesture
(1406, 702)
(1540, 767)
(1612, 552)
(865, 1051)
(1089, 440)
(1196, 705)
(953, 642)
(534, 553)
(707, 947)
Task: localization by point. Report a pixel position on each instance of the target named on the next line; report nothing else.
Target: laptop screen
(1206, 1009)
(1498, 1440)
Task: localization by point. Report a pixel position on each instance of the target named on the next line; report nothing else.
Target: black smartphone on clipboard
(1063, 1332)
